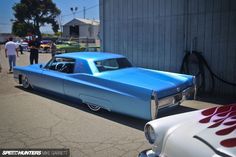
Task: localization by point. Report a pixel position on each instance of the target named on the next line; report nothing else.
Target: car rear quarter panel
(113, 96)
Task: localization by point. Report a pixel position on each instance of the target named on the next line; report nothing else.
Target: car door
(53, 74)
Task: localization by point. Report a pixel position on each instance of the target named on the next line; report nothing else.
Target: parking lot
(30, 119)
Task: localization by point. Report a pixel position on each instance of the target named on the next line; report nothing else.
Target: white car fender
(163, 127)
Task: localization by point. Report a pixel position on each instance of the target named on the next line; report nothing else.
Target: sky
(92, 12)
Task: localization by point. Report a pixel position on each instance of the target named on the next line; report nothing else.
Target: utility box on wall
(157, 33)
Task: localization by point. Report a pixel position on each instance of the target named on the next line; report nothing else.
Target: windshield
(112, 64)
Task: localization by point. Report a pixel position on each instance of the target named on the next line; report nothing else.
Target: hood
(214, 127)
(220, 131)
(165, 83)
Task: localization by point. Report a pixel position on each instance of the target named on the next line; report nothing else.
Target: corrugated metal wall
(156, 33)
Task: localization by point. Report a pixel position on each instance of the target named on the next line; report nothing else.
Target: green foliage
(21, 29)
(30, 15)
(58, 34)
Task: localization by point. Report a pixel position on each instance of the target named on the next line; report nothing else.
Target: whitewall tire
(93, 107)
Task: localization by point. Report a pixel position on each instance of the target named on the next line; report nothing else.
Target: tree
(22, 29)
(30, 15)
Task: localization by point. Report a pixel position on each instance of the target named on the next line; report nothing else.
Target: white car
(202, 133)
(23, 44)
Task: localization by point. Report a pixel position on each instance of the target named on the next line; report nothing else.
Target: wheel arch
(20, 78)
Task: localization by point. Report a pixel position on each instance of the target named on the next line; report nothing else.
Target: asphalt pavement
(31, 119)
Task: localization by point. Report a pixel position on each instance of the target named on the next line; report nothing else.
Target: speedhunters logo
(35, 152)
(23, 153)
(15, 152)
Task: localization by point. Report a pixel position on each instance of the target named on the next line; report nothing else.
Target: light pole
(74, 9)
(84, 10)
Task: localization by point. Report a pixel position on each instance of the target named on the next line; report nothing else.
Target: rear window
(112, 64)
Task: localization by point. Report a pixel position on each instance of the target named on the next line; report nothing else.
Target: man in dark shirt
(34, 53)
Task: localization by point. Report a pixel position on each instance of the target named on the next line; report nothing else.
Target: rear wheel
(25, 82)
(93, 107)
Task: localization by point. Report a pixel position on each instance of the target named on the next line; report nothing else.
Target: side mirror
(40, 65)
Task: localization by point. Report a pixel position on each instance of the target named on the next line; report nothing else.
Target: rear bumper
(190, 93)
(170, 101)
(173, 100)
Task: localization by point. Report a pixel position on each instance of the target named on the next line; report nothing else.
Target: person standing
(34, 53)
(11, 52)
(53, 49)
(21, 49)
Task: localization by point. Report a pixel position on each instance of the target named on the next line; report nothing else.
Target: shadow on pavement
(116, 117)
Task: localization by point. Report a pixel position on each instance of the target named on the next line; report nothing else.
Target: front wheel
(25, 82)
(93, 107)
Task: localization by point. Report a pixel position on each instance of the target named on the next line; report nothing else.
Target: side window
(65, 65)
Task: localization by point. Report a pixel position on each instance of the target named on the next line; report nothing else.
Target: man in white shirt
(11, 52)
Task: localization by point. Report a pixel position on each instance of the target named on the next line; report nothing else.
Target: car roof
(90, 55)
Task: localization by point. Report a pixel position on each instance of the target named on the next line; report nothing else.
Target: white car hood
(209, 132)
(219, 132)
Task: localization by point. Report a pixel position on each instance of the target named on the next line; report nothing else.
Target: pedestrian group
(11, 52)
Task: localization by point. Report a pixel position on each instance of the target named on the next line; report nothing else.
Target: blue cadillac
(108, 81)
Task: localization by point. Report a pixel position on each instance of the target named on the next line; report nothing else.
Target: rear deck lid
(164, 83)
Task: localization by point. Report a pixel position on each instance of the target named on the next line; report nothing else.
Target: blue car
(108, 81)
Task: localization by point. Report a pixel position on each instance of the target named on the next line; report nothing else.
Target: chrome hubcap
(25, 82)
(93, 107)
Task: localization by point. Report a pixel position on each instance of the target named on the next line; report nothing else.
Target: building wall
(66, 28)
(157, 33)
(83, 29)
(86, 29)
(95, 31)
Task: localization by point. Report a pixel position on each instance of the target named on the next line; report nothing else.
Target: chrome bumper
(147, 153)
(173, 100)
(190, 93)
(170, 101)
